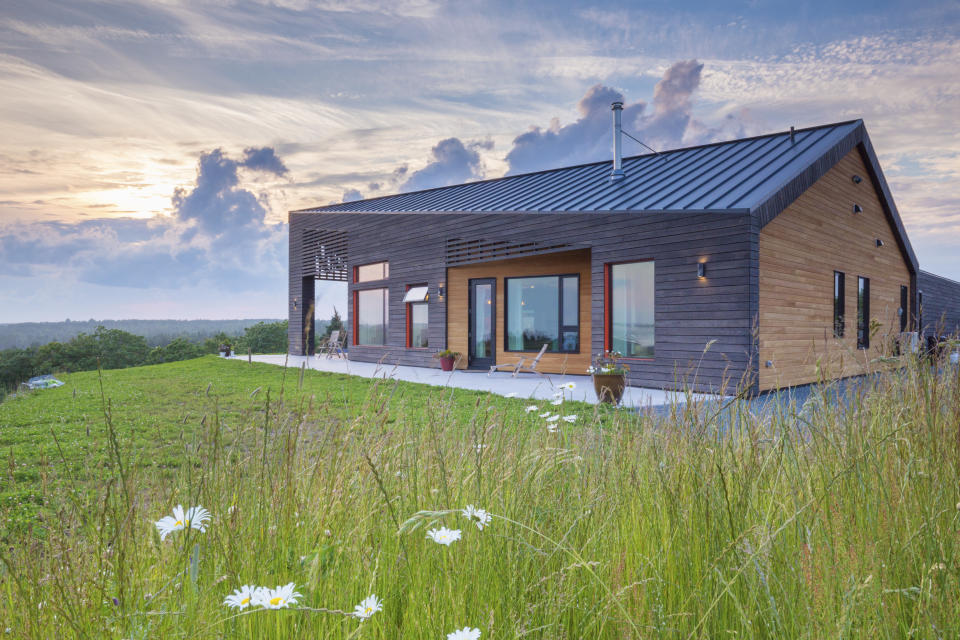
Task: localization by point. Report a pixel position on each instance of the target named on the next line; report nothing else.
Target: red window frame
(409, 319)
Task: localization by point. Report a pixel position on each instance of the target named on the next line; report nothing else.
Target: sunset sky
(151, 150)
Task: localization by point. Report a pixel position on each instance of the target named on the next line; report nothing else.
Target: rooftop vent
(617, 174)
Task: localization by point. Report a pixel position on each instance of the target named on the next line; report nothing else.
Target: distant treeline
(118, 349)
(155, 332)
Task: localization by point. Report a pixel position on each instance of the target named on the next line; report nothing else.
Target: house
(776, 259)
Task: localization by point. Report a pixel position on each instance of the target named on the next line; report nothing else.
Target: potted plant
(447, 359)
(609, 376)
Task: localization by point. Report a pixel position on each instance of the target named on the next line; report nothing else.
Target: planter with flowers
(447, 359)
(609, 376)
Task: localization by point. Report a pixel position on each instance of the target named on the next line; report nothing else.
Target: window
(371, 316)
(372, 272)
(839, 303)
(863, 312)
(630, 327)
(416, 302)
(543, 309)
(904, 307)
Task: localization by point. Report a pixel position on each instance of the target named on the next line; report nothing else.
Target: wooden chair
(515, 367)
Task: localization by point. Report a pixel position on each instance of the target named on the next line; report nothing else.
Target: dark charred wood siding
(941, 303)
(690, 312)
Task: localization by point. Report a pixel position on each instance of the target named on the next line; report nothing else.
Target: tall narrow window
(904, 307)
(863, 312)
(371, 316)
(631, 309)
(919, 311)
(416, 302)
(543, 310)
(839, 303)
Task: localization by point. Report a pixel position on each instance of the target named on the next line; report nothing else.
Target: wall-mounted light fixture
(701, 269)
(857, 208)
(441, 290)
(768, 364)
(879, 242)
(857, 179)
(294, 304)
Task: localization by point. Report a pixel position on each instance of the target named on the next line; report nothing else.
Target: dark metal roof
(735, 175)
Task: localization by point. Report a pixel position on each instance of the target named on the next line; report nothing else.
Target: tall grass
(840, 518)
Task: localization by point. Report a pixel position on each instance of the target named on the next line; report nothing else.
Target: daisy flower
(278, 598)
(544, 414)
(534, 407)
(368, 607)
(242, 598)
(481, 517)
(195, 517)
(551, 428)
(557, 401)
(464, 634)
(444, 536)
(553, 418)
(569, 386)
(569, 418)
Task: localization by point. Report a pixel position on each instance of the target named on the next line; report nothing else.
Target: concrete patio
(523, 386)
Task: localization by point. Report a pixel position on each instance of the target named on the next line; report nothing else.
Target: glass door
(482, 312)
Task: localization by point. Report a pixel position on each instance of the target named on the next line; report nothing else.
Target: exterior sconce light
(701, 269)
(857, 208)
(857, 179)
(879, 242)
(441, 290)
(294, 304)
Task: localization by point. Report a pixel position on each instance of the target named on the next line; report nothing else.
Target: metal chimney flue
(617, 174)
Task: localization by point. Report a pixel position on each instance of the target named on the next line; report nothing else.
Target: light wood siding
(551, 264)
(798, 252)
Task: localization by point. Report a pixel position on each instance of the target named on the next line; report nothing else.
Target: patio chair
(533, 364)
(327, 343)
(514, 367)
(337, 346)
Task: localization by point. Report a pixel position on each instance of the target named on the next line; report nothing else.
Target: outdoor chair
(517, 367)
(337, 345)
(327, 344)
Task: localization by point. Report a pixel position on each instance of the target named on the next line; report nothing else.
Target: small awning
(416, 294)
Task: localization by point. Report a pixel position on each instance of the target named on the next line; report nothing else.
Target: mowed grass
(835, 519)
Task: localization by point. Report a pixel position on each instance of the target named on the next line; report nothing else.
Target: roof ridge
(577, 166)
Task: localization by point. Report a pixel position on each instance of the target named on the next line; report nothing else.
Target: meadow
(838, 518)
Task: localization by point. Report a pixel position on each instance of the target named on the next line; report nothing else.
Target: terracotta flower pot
(609, 386)
(446, 363)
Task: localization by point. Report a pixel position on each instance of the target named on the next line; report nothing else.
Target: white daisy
(558, 394)
(569, 386)
(557, 401)
(195, 517)
(278, 598)
(368, 607)
(444, 536)
(534, 407)
(552, 428)
(544, 414)
(464, 634)
(569, 418)
(553, 418)
(242, 598)
(481, 517)
(512, 394)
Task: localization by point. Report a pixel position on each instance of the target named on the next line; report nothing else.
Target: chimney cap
(616, 104)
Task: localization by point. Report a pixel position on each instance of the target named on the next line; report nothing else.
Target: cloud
(218, 236)
(351, 195)
(452, 163)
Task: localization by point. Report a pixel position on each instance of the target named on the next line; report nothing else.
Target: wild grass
(840, 518)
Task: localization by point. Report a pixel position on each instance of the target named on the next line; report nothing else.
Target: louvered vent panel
(461, 251)
(325, 254)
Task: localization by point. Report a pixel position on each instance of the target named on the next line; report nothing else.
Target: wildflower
(278, 598)
(557, 401)
(570, 419)
(195, 517)
(938, 567)
(444, 536)
(480, 515)
(242, 598)
(552, 428)
(553, 418)
(512, 394)
(464, 634)
(591, 369)
(534, 407)
(569, 386)
(368, 607)
(558, 394)
(544, 414)
(481, 447)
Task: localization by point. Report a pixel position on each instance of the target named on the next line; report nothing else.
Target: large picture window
(371, 316)
(863, 312)
(630, 289)
(543, 310)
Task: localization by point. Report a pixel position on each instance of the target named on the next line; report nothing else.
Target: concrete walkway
(523, 386)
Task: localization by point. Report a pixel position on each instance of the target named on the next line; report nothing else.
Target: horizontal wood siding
(689, 313)
(941, 304)
(798, 252)
(549, 264)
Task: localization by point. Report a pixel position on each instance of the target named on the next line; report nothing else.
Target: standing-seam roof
(735, 175)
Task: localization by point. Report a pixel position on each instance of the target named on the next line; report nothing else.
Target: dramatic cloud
(452, 162)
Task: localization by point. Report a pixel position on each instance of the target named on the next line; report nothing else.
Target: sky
(150, 150)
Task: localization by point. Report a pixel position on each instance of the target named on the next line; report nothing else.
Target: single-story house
(775, 260)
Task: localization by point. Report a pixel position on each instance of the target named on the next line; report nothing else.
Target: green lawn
(821, 521)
